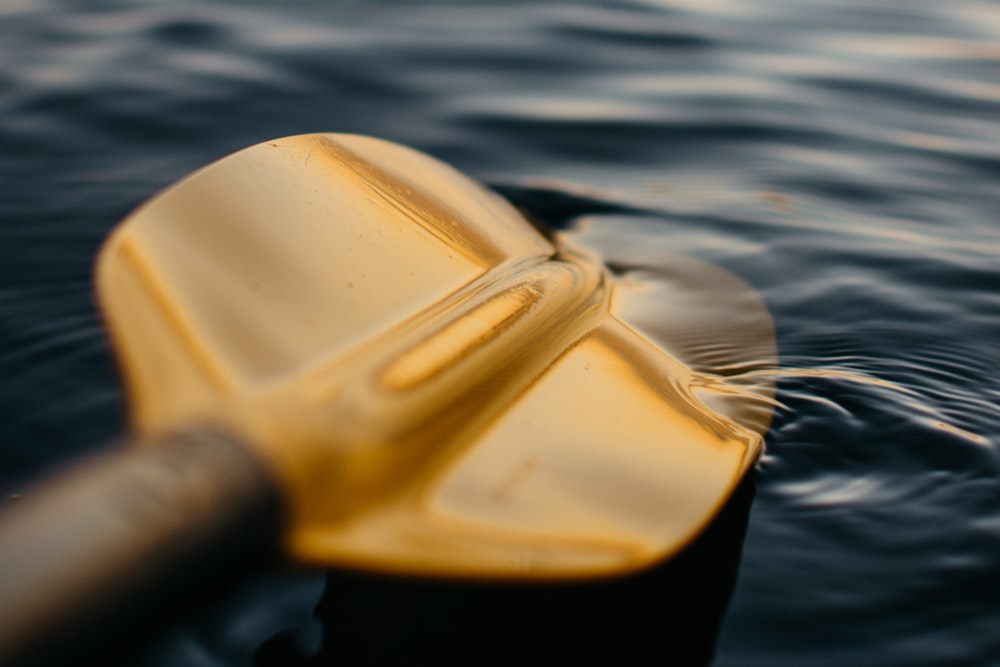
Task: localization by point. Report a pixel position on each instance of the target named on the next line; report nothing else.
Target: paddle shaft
(124, 538)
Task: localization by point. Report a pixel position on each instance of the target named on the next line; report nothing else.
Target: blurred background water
(842, 158)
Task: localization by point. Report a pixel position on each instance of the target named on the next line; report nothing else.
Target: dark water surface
(843, 158)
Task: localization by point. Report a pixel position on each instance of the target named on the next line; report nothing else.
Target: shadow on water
(669, 615)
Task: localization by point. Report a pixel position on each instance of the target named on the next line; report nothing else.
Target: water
(841, 158)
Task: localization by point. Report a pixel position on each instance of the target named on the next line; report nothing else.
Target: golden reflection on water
(917, 402)
(439, 388)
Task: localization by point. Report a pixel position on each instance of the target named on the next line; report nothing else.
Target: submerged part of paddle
(356, 339)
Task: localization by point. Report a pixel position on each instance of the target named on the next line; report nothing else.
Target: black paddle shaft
(89, 557)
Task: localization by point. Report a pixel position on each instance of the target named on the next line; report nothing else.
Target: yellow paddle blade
(285, 255)
(439, 388)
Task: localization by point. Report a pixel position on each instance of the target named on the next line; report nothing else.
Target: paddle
(343, 348)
